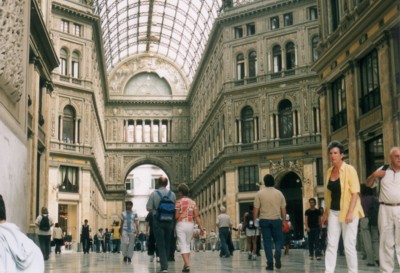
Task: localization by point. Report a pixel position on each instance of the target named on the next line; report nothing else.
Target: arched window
(63, 62)
(314, 44)
(240, 67)
(69, 117)
(252, 64)
(277, 58)
(75, 64)
(290, 56)
(285, 119)
(247, 125)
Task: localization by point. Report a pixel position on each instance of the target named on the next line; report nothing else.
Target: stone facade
(360, 49)
(256, 106)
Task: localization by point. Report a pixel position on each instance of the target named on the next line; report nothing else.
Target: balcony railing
(70, 147)
(275, 143)
(267, 78)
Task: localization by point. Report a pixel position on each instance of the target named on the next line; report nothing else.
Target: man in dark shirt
(313, 228)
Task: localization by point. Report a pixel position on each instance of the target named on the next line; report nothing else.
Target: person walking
(343, 209)
(287, 233)
(313, 228)
(58, 238)
(367, 200)
(213, 239)
(251, 234)
(130, 229)
(196, 238)
(163, 226)
(142, 239)
(107, 240)
(185, 215)
(44, 223)
(270, 208)
(85, 236)
(100, 247)
(224, 224)
(388, 177)
(116, 237)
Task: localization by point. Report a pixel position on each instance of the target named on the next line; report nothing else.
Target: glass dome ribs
(176, 29)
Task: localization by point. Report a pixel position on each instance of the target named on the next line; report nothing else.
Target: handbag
(52, 243)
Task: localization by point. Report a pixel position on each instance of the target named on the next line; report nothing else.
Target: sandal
(186, 269)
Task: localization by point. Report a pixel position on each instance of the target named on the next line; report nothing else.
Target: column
(318, 121)
(151, 131)
(143, 130)
(388, 92)
(76, 131)
(255, 128)
(298, 123)
(272, 127)
(277, 125)
(159, 130)
(294, 123)
(239, 130)
(60, 137)
(231, 190)
(169, 130)
(134, 130)
(124, 130)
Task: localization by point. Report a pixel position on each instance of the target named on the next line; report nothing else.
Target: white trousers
(127, 243)
(389, 243)
(349, 232)
(184, 233)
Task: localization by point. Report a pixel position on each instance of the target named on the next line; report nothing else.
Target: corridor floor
(202, 262)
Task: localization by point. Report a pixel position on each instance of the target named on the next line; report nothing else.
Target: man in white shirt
(389, 210)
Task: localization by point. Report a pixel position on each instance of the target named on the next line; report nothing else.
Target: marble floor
(204, 262)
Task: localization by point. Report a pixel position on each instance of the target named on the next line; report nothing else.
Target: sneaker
(319, 258)
(164, 271)
(254, 257)
(311, 257)
(270, 267)
(249, 256)
(125, 259)
(152, 258)
(129, 260)
(158, 259)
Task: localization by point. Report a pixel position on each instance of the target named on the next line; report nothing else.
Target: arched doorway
(140, 182)
(291, 187)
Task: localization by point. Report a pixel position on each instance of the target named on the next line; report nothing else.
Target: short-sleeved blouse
(186, 208)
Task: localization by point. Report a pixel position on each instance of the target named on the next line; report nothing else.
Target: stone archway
(129, 166)
(291, 186)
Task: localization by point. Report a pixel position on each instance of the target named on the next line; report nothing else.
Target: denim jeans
(272, 230)
(162, 234)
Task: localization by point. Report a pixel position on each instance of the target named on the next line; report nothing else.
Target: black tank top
(334, 187)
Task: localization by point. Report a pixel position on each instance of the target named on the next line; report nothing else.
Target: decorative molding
(12, 20)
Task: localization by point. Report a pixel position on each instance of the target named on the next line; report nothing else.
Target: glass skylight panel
(179, 29)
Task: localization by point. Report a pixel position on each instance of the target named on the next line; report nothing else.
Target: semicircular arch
(162, 164)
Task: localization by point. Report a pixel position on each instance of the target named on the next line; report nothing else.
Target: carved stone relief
(163, 68)
(279, 166)
(12, 48)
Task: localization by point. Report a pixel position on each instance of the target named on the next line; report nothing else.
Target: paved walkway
(202, 262)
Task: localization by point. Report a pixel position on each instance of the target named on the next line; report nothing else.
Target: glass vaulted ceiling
(177, 29)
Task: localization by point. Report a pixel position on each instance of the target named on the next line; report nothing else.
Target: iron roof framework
(176, 29)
